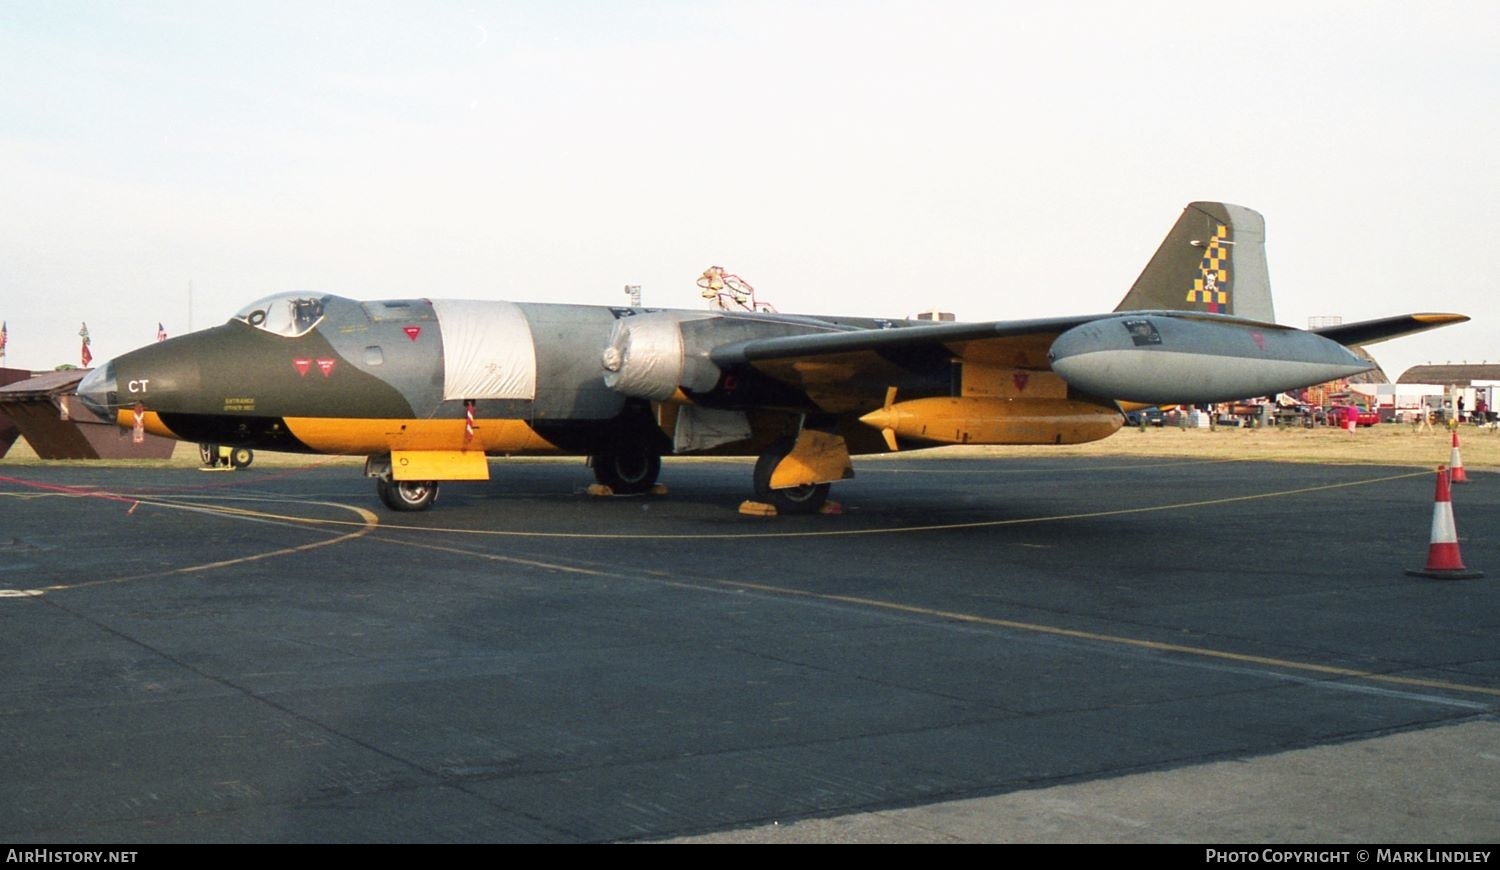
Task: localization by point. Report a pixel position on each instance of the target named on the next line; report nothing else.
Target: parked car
(1146, 417)
(1339, 415)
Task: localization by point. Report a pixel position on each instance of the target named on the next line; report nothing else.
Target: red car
(1339, 415)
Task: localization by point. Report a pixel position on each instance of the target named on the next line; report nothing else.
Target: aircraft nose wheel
(214, 455)
(407, 495)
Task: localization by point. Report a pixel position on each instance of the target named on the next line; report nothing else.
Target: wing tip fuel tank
(1163, 359)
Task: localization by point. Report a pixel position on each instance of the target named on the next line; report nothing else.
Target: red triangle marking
(326, 365)
(303, 364)
(412, 331)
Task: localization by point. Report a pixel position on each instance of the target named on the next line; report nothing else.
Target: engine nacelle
(647, 357)
(1156, 359)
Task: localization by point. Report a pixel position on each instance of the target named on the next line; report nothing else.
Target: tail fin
(1213, 260)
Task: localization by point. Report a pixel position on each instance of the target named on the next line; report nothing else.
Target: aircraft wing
(1152, 357)
(1372, 331)
(952, 335)
(851, 370)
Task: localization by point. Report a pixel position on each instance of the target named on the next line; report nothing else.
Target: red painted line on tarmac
(78, 491)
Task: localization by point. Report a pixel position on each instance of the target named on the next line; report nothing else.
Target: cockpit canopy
(285, 314)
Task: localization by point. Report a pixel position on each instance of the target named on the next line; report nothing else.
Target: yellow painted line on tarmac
(369, 521)
(702, 583)
(533, 563)
(367, 518)
(1120, 640)
(1062, 466)
(899, 530)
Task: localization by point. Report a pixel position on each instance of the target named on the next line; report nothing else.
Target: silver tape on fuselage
(648, 358)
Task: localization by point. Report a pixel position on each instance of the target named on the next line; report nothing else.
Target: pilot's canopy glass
(288, 314)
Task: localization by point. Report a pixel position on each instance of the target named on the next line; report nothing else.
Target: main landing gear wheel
(805, 499)
(209, 453)
(628, 473)
(407, 495)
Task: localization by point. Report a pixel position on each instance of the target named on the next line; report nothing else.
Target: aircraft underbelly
(374, 436)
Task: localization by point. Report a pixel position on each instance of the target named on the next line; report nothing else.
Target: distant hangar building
(1456, 374)
(1463, 387)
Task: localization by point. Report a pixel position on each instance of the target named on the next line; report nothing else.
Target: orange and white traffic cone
(1456, 464)
(1443, 559)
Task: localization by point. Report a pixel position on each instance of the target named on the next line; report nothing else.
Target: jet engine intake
(648, 358)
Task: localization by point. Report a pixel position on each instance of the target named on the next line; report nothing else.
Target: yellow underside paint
(975, 420)
(364, 437)
(1012, 383)
(125, 419)
(355, 437)
(439, 465)
(817, 457)
(666, 416)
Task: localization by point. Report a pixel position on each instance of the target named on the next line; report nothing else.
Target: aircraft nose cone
(98, 391)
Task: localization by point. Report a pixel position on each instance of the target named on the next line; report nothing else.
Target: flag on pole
(4, 336)
(85, 355)
(161, 332)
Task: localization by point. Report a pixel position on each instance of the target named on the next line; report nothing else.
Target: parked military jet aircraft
(428, 389)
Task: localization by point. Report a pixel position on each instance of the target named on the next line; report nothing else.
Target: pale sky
(999, 160)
